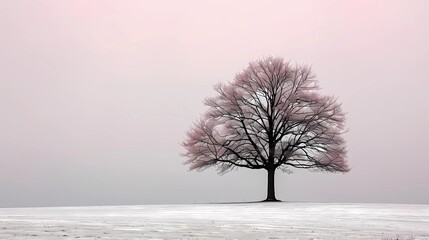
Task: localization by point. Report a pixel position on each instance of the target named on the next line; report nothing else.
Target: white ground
(219, 221)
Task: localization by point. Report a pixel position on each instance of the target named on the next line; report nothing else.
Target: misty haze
(140, 119)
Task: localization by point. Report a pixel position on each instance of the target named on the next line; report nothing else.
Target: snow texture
(219, 221)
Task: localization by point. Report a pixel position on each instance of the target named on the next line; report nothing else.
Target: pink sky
(95, 96)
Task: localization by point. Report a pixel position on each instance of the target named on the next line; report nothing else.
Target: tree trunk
(271, 195)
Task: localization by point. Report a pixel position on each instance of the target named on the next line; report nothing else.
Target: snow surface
(219, 221)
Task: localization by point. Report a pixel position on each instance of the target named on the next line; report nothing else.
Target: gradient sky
(96, 96)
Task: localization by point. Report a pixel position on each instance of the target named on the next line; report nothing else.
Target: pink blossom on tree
(271, 116)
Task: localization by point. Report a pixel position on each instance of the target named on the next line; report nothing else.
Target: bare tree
(270, 117)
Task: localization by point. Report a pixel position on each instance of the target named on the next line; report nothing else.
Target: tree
(271, 116)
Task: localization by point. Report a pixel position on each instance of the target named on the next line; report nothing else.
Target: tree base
(271, 200)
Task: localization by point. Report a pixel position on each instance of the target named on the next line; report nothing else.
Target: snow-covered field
(219, 221)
